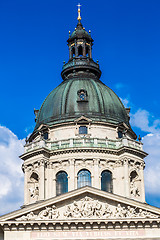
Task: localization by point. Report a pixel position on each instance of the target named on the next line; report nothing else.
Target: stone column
(96, 179)
(76, 50)
(53, 182)
(84, 49)
(26, 190)
(71, 175)
(141, 174)
(70, 52)
(48, 184)
(90, 51)
(126, 178)
(42, 180)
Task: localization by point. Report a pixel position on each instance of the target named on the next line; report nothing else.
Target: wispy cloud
(125, 102)
(11, 175)
(120, 85)
(145, 121)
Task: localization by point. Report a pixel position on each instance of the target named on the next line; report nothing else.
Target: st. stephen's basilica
(83, 165)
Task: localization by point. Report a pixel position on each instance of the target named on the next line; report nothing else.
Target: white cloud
(11, 175)
(152, 171)
(146, 122)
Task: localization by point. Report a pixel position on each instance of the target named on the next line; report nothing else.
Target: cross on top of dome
(79, 12)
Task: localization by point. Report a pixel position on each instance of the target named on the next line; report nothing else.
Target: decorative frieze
(88, 208)
(46, 214)
(91, 208)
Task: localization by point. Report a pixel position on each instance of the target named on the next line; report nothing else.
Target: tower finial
(79, 12)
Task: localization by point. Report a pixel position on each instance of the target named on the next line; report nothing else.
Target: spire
(80, 52)
(79, 12)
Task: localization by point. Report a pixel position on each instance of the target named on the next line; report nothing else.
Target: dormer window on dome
(82, 95)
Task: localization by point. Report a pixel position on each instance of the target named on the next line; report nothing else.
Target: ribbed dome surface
(62, 104)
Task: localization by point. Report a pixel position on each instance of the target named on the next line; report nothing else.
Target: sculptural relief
(88, 208)
(34, 192)
(46, 214)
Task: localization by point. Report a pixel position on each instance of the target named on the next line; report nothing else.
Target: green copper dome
(80, 32)
(81, 93)
(65, 104)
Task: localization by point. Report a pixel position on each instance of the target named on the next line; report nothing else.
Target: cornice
(47, 153)
(81, 224)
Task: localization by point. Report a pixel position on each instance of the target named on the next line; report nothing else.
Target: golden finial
(79, 12)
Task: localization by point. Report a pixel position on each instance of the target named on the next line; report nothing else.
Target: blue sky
(32, 50)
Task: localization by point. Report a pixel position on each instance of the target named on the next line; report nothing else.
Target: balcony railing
(83, 143)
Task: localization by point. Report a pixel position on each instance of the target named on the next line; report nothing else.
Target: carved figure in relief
(134, 190)
(34, 192)
(105, 211)
(75, 210)
(54, 213)
(45, 214)
(131, 212)
(97, 208)
(68, 212)
(120, 211)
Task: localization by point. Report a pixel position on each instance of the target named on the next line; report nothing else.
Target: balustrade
(83, 143)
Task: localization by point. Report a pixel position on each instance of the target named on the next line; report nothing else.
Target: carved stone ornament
(88, 208)
(34, 192)
(45, 214)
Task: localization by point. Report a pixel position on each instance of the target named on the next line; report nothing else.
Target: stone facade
(99, 150)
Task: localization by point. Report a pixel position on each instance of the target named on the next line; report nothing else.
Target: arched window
(80, 51)
(87, 51)
(106, 181)
(73, 52)
(84, 178)
(61, 183)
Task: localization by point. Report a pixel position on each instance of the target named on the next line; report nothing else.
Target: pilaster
(26, 175)
(96, 179)
(126, 178)
(141, 173)
(71, 179)
(42, 180)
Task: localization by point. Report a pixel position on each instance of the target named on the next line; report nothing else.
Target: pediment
(42, 127)
(84, 203)
(83, 119)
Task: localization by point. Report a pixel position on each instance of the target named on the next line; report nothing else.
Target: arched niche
(34, 177)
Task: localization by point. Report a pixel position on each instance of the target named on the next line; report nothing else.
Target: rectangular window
(45, 135)
(120, 135)
(83, 130)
